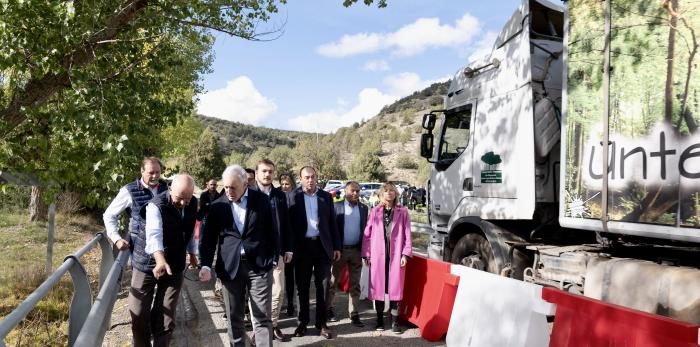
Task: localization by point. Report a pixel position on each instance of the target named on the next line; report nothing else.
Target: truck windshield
(455, 136)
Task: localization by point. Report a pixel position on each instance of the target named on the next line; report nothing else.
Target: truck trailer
(570, 155)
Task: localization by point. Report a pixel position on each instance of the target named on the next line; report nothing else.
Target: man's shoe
(355, 320)
(395, 328)
(278, 335)
(330, 316)
(300, 331)
(326, 333)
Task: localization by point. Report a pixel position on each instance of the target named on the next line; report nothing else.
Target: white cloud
(376, 65)
(239, 101)
(406, 83)
(351, 45)
(370, 102)
(411, 39)
(484, 46)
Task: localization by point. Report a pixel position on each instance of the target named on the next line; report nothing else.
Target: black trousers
(314, 261)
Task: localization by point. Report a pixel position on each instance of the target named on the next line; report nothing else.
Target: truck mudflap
(670, 291)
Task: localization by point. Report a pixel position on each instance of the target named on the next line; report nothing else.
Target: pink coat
(373, 248)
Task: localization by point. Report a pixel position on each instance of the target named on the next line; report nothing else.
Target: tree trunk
(38, 210)
(668, 95)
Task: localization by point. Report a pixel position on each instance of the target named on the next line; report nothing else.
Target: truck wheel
(474, 251)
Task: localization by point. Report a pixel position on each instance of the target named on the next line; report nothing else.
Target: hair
(287, 176)
(349, 183)
(306, 167)
(151, 160)
(266, 162)
(250, 171)
(177, 178)
(235, 171)
(389, 186)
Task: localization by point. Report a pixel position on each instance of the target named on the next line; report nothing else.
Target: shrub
(406, 162)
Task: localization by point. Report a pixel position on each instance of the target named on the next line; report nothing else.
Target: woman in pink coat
(385, 249)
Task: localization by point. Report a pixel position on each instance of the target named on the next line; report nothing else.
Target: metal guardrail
(81, 304)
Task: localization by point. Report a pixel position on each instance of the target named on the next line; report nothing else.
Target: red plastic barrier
(582, 321)
(428, 295)
(344, 280)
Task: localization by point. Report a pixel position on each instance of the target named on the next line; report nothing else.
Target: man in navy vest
(169, 228)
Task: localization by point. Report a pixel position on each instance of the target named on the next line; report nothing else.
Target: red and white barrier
(428, 296)
(582, 321)
(494, 311)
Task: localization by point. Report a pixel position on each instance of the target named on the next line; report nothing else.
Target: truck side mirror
(426, 145)
(428, 121)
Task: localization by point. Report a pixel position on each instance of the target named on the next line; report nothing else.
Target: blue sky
(333, 66)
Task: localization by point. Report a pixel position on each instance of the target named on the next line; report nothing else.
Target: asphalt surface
(208, 328)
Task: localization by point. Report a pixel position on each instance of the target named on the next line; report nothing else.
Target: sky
(331, 66)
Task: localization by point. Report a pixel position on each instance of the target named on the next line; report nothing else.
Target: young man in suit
(351, 218)
(317, 242)
(240, 224)
(264, 172)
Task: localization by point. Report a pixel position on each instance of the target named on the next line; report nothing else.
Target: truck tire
(474, 251)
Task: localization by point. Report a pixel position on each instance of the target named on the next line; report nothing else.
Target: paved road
(208, 328)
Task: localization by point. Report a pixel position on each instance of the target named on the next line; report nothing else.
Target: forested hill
(382, 147)
(243, 138)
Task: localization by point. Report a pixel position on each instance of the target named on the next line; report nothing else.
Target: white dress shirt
(154, 230)
(120, 203)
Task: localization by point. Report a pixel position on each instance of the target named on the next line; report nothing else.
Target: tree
(203, 160)
(367, 167)
(83, 98)
(283, 157)
(321, 156)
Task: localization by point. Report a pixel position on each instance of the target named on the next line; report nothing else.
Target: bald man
(170, 218)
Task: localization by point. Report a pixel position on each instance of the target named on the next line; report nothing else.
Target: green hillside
(385, 147)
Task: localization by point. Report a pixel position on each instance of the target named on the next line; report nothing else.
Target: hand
(161, 269)
(204, 275)
(122, 244)
(404, 260)
(288, 257)
(336, 255)
(193, 261)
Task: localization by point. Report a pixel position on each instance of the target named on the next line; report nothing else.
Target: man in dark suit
(207, 198)
(241, 224)
(351, 218)
(317, 243)
(264, 172)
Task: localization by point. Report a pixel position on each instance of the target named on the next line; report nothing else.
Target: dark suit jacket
(278, 200)
(258, 238)
(205, 201)
(340, 219)
(328, 229)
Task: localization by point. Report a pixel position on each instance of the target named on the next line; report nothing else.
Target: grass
(24, 261)
(420, 240)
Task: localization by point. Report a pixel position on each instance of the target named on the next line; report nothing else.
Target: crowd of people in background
(263, 244)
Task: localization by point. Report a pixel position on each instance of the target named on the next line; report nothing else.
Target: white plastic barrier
(497, 311)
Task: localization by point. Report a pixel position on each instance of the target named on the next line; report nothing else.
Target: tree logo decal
(490, 175)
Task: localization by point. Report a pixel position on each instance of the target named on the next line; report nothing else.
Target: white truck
(570, 91)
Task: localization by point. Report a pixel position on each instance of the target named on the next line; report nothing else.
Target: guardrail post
(107, 258)
(82, 298)
(49, 241)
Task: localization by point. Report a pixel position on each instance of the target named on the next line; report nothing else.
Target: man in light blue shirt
(351, 218)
